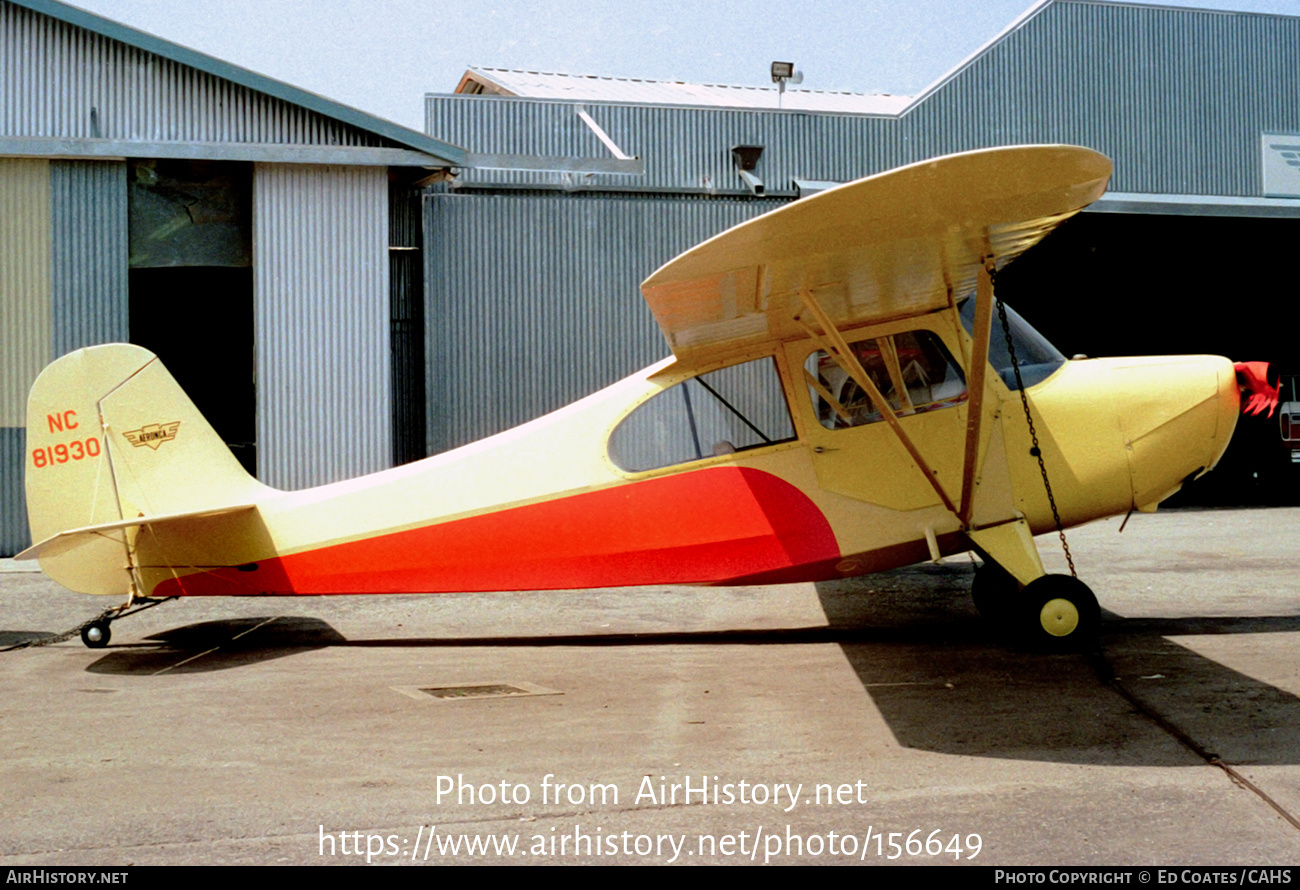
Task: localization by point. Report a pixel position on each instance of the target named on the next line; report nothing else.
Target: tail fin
(112, 437)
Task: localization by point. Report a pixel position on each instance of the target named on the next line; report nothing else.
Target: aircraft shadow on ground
(218, 646)
(939, 675)
(947, 683)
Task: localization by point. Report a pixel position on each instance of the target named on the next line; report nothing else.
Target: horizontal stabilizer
(67, 541)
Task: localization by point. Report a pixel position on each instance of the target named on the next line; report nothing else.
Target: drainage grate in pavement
(472, 691)
(483, 689)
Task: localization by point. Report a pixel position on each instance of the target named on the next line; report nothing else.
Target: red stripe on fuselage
(703, 527)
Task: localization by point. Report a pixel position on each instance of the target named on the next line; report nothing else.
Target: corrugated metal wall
(63, 285)
(24, 326)
(24, 282)
(1177, 97)
(90, 292)
(320, 260)
(685, 149)
(14, 534)
(533, 300)
(63, 81)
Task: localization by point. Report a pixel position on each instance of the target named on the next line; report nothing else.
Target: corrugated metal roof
(243, 77)
(593, 88)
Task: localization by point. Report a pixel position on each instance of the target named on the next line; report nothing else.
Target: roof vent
(745, 157)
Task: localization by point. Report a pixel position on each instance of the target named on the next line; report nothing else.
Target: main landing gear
(1054, 613)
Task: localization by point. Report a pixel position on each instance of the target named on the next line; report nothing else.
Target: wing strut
(844, 357)
(975, 384)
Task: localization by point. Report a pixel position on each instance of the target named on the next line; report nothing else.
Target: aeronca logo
(153, 434)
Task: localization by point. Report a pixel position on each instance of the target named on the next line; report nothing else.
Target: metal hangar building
(1187, 253)
(261, 239)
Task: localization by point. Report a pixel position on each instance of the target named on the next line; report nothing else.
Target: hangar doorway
(406, 322)
(1113, 284)
(191, 286)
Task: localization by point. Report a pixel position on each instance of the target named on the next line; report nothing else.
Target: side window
(914, 371)
(721, 412)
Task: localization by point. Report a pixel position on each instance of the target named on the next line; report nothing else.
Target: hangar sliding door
(88, 252)
(63, 285)
(24, 325)
(321, 322)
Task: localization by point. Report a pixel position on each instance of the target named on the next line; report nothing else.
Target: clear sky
(382, 56)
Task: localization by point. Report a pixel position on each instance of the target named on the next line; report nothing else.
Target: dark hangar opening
(1112, 284)
(191, 286)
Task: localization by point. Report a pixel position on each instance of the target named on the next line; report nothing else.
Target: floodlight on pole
(782, 73)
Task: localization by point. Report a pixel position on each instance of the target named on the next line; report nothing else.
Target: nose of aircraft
(1177, 414)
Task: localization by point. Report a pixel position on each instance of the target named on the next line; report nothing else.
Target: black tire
(1059, 614)
(96, 636)
(994, 592)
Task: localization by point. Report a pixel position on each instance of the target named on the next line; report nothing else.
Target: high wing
(894, 245)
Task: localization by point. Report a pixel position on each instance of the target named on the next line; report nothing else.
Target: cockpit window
(912, 370)
(1038, 358)
(721, 412)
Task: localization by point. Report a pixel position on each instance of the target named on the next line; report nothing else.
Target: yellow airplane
(841, 399)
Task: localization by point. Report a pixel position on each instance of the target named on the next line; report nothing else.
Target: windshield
(1038, 358)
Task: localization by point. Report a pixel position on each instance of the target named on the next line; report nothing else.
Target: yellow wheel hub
(1059, 617)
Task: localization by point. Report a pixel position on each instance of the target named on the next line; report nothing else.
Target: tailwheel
(96, 635)
(994, 591)
(1059, 614)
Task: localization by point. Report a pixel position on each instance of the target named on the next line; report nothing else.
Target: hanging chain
(1036, 451)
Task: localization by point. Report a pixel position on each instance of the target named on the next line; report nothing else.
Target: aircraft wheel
(994, 592)
(1061, 614)
(96, 636)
